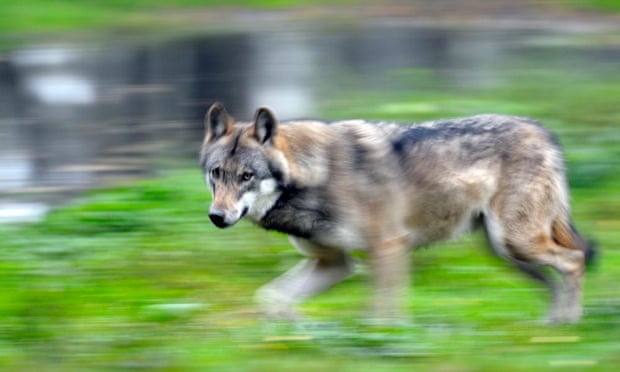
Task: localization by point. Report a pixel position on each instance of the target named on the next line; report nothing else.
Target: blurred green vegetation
(137, 278)
(600, 5)
(60, 15)
(54, 15)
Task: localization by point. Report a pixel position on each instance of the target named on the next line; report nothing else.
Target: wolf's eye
(216, 173)
(246, 176)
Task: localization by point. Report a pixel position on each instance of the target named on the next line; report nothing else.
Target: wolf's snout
(218, 217)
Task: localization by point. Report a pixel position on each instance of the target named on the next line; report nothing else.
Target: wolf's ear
(265, 125)
(217, 122)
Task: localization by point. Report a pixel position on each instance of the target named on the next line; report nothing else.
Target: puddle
(77, 116)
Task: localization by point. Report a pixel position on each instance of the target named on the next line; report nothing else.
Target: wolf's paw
(273, 304)
(572, 316)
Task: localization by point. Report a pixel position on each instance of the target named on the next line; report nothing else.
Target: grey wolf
(385, 188)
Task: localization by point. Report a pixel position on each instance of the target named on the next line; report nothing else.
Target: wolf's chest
(305, 213)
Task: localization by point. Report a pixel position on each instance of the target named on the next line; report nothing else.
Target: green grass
(612, 6)
(137, 278)
(60, 15)
(42, 16)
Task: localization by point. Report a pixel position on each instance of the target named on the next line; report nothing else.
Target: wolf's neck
(306, 149)
(299, 211)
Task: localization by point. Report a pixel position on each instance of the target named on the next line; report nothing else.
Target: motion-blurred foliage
(43, 15)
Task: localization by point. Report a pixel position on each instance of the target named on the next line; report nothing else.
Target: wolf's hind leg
(538, 273)
(323, 268)
(497, 240)
(541, 250)
(570, 264)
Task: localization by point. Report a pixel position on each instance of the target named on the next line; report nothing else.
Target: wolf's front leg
(322, 269)
(389, 261)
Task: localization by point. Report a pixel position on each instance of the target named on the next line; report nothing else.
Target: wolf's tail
(565, 234)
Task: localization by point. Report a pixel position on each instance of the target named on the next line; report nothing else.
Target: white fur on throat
(261, 201)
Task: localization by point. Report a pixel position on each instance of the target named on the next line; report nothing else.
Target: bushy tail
(565, 234)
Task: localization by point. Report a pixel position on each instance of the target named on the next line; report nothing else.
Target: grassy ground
(600, 5)
(137, 278)
(41, 16)
(55, 15)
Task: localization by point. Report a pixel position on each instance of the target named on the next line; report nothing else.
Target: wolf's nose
(218, 218)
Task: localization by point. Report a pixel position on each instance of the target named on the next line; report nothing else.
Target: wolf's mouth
(244, 212)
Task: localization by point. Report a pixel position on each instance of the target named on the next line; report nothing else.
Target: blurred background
(107, 257)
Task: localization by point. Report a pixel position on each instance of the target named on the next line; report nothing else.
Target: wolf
(385, 188)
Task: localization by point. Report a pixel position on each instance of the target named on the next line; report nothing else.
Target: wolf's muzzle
(218, 217)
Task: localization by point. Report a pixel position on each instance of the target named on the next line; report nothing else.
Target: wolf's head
(242, 165)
